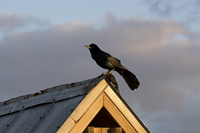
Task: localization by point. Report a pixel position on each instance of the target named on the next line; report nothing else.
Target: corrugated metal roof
(44, 111)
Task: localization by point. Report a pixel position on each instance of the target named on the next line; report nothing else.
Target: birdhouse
(90, 106)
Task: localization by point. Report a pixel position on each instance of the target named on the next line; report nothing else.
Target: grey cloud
(161, 7)
(109, 19)
(9, 21)
(172, 7)
(186, 11)
(168, 71)
(187, 119)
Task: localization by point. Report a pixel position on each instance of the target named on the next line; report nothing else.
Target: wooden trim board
(89, 115)
(117, 115)
(83, 107)
(100, 102)
(88, 100)
(103, 130)
(125, 111)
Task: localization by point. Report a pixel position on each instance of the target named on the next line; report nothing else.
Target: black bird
(106, 61)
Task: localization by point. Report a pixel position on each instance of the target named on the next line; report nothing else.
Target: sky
(42, 45)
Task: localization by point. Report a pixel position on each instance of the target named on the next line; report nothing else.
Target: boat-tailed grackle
(106, 61)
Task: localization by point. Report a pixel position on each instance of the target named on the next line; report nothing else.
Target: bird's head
(92, 47)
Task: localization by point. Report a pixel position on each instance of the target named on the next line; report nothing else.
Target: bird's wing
(116, 62)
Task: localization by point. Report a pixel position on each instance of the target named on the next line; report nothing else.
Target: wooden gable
(103, 110)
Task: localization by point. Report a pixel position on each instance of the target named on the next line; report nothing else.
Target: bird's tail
(130, 78)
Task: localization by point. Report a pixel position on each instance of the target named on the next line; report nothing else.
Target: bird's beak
(87, 46)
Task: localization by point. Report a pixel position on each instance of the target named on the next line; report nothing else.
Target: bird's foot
(104, 74)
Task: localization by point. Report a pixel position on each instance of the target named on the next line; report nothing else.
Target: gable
(104, 101)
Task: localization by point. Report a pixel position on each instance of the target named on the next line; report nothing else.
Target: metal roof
(44, 111)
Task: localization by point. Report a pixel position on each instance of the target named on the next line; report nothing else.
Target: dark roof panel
(44, 111)
(58, 115)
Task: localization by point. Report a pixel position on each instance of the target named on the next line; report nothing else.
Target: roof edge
(49, 95)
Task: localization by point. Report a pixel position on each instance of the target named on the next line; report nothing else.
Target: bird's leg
(106, 73)
(110, 70)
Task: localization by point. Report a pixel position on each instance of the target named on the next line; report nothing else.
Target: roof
(69, 108)
(40, 111)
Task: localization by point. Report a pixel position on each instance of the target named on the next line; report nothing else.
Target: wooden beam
(89, 130)
(125, 111)
(117, 115)
(89, 115)
(67, 126)
(83, 107)
(88, 100)
(116, 130)
(103, 130)
(97, 130)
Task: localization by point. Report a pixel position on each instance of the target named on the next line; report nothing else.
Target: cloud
(184, 121)
(166, 65)
(186, 12)
(109, 19)
(175, 6)
(10, 22)
(161, 7)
